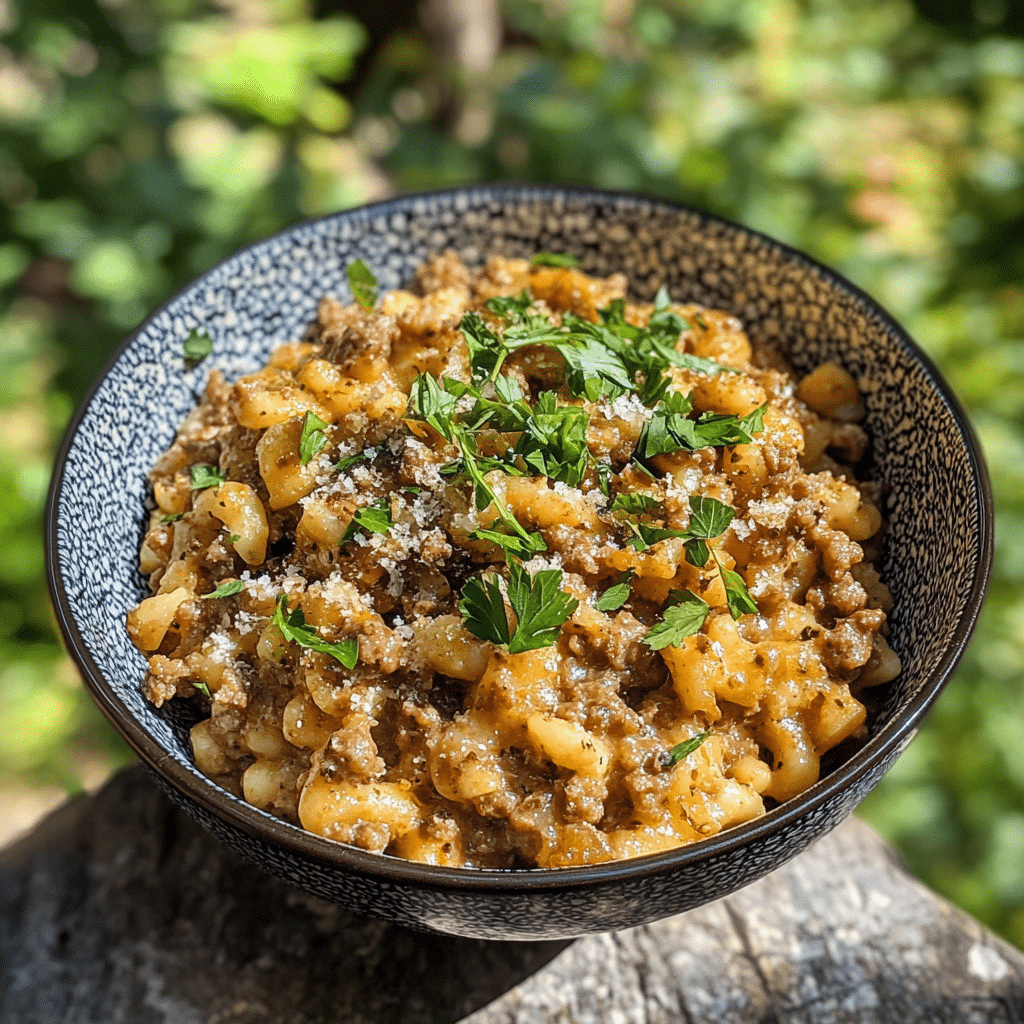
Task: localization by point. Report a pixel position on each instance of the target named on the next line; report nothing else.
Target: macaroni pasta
(327, 546)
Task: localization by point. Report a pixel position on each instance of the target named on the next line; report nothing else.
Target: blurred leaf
(267, 71)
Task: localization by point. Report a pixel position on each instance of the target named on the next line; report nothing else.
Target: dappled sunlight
(141, 143)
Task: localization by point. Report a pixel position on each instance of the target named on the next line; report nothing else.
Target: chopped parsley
(375, 518)
(196, 347)
(349, 461)
(709, 518)
(203, 475)
(681, 619)
(616, 595)
(432, 404)
(293, 627)
(554, 441)
(226, 589)
(172, 517)
(736, 593)
(313, 438)
(671, 428)
(555, 259)
(540, 605)
(683, 750)
(362, 284)
(636, 503)
(606, 360)
(644, 535)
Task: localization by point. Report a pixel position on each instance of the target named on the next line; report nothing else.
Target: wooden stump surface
(118, 908)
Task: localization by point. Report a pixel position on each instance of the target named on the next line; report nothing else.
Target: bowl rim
(260, 825)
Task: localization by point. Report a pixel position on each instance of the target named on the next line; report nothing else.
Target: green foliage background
(141, 142)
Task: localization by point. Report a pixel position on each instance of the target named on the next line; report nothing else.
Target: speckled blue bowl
(939, 513)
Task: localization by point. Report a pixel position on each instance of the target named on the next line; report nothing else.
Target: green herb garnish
(172, 518)
(201, 687)
(203, 475)
(736, 593)
(225, 590)
(196, 347)
(362, 284)
(616, 595)
(708, 518)
(435, 405)
(683, 750)
(554, 440)
(350, 460)
(294, 628)
(644, 535)
(483, 609)
(313, 438)
(681, 619)
(555, 259)
(636, 503)
(375, 518)
(540, 605)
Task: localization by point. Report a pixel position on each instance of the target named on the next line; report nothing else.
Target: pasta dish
(510, 570)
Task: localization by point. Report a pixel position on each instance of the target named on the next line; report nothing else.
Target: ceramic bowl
(939, 522)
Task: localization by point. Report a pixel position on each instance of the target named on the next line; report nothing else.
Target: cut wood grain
(118, 908)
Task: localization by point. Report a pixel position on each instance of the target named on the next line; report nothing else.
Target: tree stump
(118, 908)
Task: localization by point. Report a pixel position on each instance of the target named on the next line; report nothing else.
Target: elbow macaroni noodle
(439, 746)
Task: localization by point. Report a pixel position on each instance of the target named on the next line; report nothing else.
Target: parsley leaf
(636, 503)
(350, 460)
(680, 620)
(483, 609)
(541, 607)
(616, 595)
(293, 627)
(644, 535)
(753, 422)
(172, 518)
(375, 518)
(429, 402)
(554, 259)
(670, 429)
(196, 347)
(362, 284)
(592, 370)
(554, 440)
(487, 350)
(226, 589)
(313, 438)
(697, 552)
(203, 475)
(512, 543)
(510, 307)
(709, 517)
(736, 594)
(683, 750)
